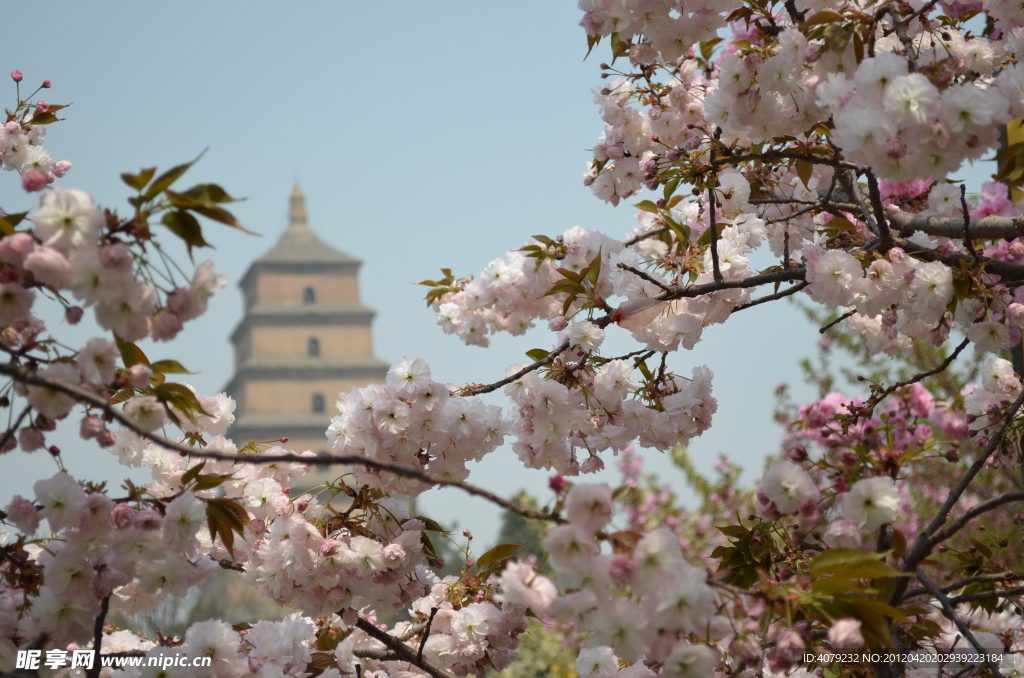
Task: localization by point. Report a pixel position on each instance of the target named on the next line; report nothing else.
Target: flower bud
(139, 375)
(16, 75)
(73, 315)
(33, 180)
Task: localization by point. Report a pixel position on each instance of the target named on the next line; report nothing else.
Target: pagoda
(304, 337)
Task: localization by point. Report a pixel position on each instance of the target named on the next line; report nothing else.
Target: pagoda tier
(304, 338)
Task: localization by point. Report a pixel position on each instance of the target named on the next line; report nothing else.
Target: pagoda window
(309, 296)
(313, 348)
(318, 403)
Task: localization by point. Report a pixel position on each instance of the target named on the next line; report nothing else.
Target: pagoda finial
(297, 213)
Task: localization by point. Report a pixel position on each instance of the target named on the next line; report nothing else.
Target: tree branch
(24, 376)
(954, 227)
(401, 650)
(97, 639)
(947, 607)
(1008, 575)
(546, 360)
(923, 545)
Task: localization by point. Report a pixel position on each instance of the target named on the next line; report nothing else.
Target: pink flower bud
(16, 75)
(61, 167)
(47, 84)
(122, 516)
(897, 255)
(139, 375)
(845, 635)
(42, 106)
(557, 483)
(147, 519)
(31, 439)
(558, 323)
(90, 427)
(106, 438)
(73, 315)
(33, 180)
(23, 514)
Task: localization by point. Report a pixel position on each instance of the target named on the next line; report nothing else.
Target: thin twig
(772, 297)
(923, 545)
(1008, 575)
(646, 276)
(546, 360)
(26, 377)
(921, 376)
(645, 235)
(952, 616)
(960, 523)
(838, 320)
(982, 595)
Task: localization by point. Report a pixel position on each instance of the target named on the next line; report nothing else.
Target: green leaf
(167, 179)
(850, 563)
(169, 367)
(497, 554)
(432, 524)
(594, 268)
(804, 170)
(190, 475)
(130, 353)
(620, 47)
(575, 276)
(208, 482)
(670, 187)
(536, 354)
(9, 221)
(210, 194)
(40, 118)
(224, 517)
(186, 227)
(138, 181)
(647, 206)
(180, 397)
(825, 17)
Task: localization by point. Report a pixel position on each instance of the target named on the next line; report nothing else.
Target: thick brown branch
(401, 650)
(953, 227)
(690, 291)
(97, 638)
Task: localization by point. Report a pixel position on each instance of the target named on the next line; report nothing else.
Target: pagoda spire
(297, 212)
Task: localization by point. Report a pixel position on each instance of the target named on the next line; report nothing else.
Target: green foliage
(541, 655)
(515, 529)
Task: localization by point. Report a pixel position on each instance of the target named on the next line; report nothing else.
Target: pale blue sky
(425, 134)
